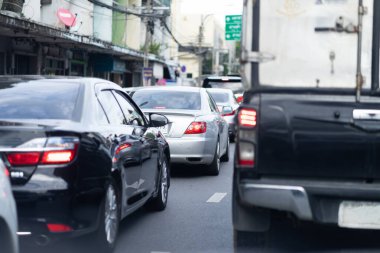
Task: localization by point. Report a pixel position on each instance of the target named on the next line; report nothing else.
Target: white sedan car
(8, 215)
(197, 133)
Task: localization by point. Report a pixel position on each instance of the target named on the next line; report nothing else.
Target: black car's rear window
(166, 99)
(38, 100)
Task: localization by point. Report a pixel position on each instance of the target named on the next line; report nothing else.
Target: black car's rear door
(126, 149)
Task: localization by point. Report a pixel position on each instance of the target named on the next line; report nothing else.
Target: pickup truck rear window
(313, 43)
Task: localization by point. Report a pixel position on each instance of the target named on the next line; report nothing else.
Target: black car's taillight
(247, 124)
(52, 150)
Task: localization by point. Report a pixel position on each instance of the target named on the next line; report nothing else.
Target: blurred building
(200, 36)
(101, 38)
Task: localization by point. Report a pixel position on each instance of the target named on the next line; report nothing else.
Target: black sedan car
(81, 155)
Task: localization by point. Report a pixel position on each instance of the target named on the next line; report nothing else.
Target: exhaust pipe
(42, 240)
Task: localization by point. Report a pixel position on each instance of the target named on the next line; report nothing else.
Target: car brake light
(196, 128)
(57, 150)
(58, 157)
(247, 117)
(246, 154)
(122, 147)
(58, 228)
(239, 99)
(24, 158)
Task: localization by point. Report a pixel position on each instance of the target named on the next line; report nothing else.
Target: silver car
(8, 215)
(197, 133)
(227, 104)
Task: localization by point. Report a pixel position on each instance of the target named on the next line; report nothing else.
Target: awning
(22, 28)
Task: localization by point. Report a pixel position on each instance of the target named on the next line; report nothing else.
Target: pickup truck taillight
(245, 145)
(247, 117)
(52, 150)
(246, 156)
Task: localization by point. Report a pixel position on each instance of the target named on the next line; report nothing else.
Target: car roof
(219, 90)
(172, 88)
(26, 78)
(223, 78)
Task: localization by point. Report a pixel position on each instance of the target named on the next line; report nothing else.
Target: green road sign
(233, 36)
(233, 27)
(233, 19)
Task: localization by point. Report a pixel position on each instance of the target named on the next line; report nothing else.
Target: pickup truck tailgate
(317, 136)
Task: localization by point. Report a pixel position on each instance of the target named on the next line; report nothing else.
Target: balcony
(14, 6)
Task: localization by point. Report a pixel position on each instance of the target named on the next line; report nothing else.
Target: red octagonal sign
(66, 17)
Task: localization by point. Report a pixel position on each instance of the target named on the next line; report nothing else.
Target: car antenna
(359, 74)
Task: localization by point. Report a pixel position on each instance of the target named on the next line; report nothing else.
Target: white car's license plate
(359, 214)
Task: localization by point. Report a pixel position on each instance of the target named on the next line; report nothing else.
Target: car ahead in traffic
(227, 105)
(82, 156)
(196, 133)
(8, 215)
(233, 83)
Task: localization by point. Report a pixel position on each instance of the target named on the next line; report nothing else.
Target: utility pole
(148, 37)
(200, 56)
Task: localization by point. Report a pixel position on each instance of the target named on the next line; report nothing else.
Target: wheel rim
(164, 182)
(218, 156)
(111, 221)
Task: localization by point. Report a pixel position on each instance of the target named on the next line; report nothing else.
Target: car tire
(226, 156)
(232, 138)
(214, 167)
(105, 237)
(159, 202)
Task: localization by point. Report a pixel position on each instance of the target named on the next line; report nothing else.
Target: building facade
(100, 38)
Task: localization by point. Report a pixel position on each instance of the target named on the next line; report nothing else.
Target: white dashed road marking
(217, 197)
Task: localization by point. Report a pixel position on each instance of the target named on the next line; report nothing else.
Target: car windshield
(219, 97)
(313, 43)
(165, 99)
(38, 100)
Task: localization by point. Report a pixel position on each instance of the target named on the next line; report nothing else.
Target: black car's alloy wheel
(109, 223)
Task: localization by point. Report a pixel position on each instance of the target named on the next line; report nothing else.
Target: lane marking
(216, 197)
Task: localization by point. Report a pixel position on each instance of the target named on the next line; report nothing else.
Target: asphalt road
(198, 219)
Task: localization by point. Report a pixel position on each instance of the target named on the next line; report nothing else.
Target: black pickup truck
(308, 130)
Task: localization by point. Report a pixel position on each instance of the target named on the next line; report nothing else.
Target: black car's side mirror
(157, 120)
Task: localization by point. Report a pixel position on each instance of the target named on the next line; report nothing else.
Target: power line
(170, 33)
(125, 10)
